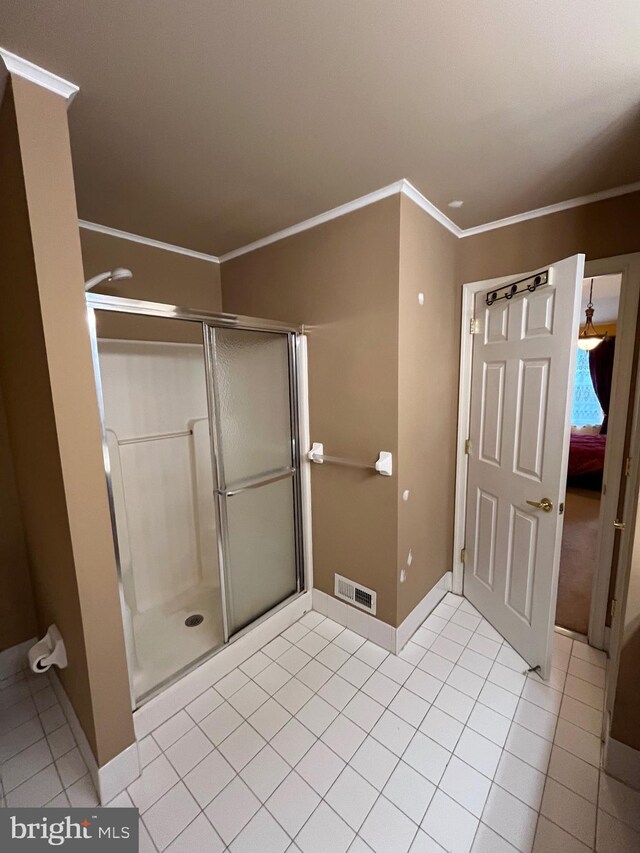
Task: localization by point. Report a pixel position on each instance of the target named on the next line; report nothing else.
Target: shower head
(117, 274)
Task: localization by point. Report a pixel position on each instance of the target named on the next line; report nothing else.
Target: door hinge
(619, 525)
(561, 509)
(463, 555)
(627, 467)
(474, 326)
(612, 608)
(468, 446)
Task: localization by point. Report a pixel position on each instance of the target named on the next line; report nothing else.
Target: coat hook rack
(383, 464)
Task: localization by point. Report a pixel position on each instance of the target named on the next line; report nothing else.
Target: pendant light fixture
(588, 338)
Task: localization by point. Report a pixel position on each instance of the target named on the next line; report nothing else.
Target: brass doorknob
(544, 504)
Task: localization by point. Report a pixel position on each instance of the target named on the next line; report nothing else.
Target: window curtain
(601, 369)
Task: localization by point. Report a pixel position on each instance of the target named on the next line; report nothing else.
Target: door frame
(629, 268)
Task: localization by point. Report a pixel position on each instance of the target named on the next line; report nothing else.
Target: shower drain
(194, 620)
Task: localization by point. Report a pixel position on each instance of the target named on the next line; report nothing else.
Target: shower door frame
(209, 320)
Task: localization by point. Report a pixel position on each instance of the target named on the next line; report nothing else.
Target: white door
(521, 392)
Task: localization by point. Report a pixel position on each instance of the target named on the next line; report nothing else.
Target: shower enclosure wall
(200, 418)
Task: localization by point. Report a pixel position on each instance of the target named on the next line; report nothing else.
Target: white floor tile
(261, 833)
(570, 811)
(276, 648)
(312, 619)
(265, 772)
(409, 791)
(542, 695)
(536, 719)
(395, 668)
(480, 753)
(356, 672)
(588, 653)
(579, 742)
(349, 641)
(465, 785)
(375, 762)
(352, 797)
(314, 675)
(423, 843)
(148, 749)
(499, 699)
(337, 692)
(620, 801)
(424, 637)
(329, 629)
(293, 695)
(204, 704)
(487, 630)
(529, 747)
(209, 777)
(387, 829)
(292, 803)
(427, 757)
(587, 671)
(219, 724)
(25, 764)
(484, 646)
(241, 746)
(71, 767)
(293, 741)
(475, 662)
(449, 649)
(295, 632)
(273, 677)
(507, 678)
(232, 809)
(450, 824)
(312, 643)
(363, 710)
(380, 687)
(393, 732)
(317, 715)
(170, 815)
(456, 633)
(581, 715)
(442, 728)
(29, 733)
(188, 751)
(488, 841)
(344, 737)
(320, 767)
(613, 836)
(37, 790)
(424, 685)
(510, 818)
(333, 657)
(435, 623)
(490, 724)
(551, 839)
(248, 699)
(454, 703)
(574, 773)
(255, 664)
(510, 657)
(198, 837)
(584, 692)
(466, 682)
(409, 706)
(467, 620)
(436, 665)
(231, 683)
(520, 779)
(82, 794)
(324, 831)
(269, 719)
(154, 781)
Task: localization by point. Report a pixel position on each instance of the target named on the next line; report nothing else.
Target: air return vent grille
(355, 594)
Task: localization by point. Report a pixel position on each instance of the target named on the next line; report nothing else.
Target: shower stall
(202, 455)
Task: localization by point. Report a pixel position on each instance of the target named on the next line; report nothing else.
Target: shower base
(157, 660)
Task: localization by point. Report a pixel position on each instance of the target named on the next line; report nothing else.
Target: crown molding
(423, 202)
(40, 76)
(147, 241)
(334, 213)
(551, 208)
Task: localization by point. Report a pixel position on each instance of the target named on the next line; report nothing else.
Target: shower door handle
(257, 483)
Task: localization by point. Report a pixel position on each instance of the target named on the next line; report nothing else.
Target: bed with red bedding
(586, 460)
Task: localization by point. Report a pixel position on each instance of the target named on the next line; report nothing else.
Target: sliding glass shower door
(253, 375)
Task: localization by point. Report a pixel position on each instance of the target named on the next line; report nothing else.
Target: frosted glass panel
(252, 379)
(262, 559)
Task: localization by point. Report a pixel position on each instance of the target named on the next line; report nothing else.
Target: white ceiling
(606, 296)
(212, 123)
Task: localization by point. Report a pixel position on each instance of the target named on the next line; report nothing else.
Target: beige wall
(428, 353)
(52, 414)
(17, 611)
(158, 275)
(341, 280)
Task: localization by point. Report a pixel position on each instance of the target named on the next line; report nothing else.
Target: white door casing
(521, 395)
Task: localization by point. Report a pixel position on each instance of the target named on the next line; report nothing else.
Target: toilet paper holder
(48, 651)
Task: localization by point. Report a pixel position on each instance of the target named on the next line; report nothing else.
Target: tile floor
(325, 743)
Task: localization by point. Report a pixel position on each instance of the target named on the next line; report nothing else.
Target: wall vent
(355, 594)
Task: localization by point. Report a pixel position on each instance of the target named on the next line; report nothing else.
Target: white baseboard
(414, 620)
(368, 626)
(179, 695)
(13, 660)
(622, 762)
(114, 776)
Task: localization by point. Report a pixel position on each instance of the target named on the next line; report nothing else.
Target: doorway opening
(586, 489)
